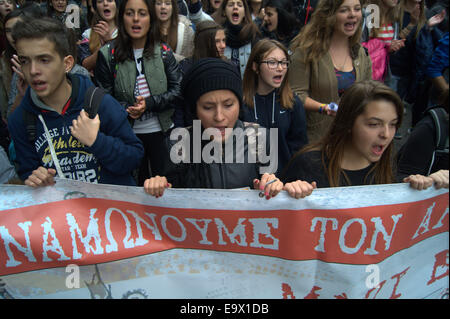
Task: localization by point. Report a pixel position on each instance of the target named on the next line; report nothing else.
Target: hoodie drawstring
(273, 107)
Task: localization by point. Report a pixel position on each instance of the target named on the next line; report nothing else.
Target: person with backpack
(52, 133)
(426, 150)
(141, 72)
(357, 149)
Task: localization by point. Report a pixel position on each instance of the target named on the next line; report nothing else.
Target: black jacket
(223, 175)
(291, 123)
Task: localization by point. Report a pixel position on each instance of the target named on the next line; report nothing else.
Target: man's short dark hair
(44, 28)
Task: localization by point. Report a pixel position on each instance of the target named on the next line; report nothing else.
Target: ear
(69, 62)
(255, 67)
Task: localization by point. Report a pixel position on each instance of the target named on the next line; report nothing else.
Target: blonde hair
(422, 17)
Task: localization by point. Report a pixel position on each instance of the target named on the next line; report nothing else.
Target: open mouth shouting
(378, 149)
(136, 29)
(236, 18)
(107, 13)
(277, 79)
(38, 85)
(350, 26)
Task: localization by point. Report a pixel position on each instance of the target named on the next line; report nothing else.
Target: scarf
(233, 39)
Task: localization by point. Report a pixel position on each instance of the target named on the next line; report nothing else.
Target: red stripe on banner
(90, 231)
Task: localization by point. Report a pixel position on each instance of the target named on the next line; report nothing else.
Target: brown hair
(261, 49)
(315, 36)
(249, 29)
(172, 33)
(205, 39)
(353, 103)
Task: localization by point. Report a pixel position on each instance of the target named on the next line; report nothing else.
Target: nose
(386, 131)
(33, 68)
(218, 115)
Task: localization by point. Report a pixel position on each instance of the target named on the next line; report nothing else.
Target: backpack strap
(108, 52)
(92, 100)
(440, 119)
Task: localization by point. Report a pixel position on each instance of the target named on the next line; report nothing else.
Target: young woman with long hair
(357, 149)
(58, 9)
(327, 58)
(280, 22)
(209, 42)
(241, 32)
(103, 30)
(270, 102)
(176, 30)
(141, 72)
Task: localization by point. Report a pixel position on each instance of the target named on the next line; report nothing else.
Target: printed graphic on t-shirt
(141, 87)
(75, 161)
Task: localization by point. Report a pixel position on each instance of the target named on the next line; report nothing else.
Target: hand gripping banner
(80, 240)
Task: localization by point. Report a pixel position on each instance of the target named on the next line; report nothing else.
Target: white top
(148, 122)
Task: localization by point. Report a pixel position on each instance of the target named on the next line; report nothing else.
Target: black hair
(123, 43)
(287, 21)
(44, 28)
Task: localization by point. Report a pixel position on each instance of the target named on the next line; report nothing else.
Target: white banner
(80, 240)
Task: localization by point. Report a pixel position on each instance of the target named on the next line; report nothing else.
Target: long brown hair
(123, 43)
(315, 36)
(353, 103)
(249, 29)
(172, 33)
(261, 49)
(205, 40)
(94, 39)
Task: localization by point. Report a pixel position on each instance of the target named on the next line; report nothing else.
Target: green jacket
(161, 73)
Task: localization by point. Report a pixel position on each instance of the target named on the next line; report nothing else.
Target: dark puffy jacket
(223, 175)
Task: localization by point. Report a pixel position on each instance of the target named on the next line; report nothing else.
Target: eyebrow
(381, 120)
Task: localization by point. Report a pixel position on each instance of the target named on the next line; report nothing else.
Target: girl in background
(176, 30)
(240, 31)
(210, 6)
(327, 58)
(58, 9)
(103, 30)
(270, 102)
(280, 22)
(141, 72)
(209, 42)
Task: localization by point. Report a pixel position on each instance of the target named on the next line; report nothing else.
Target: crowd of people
(275, 95)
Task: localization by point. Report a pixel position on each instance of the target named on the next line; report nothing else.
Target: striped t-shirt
(148, 122)
(386, 33)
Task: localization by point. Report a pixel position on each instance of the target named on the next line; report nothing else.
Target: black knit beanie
(206, 75)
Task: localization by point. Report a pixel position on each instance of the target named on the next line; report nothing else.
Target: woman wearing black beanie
(212, 91)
